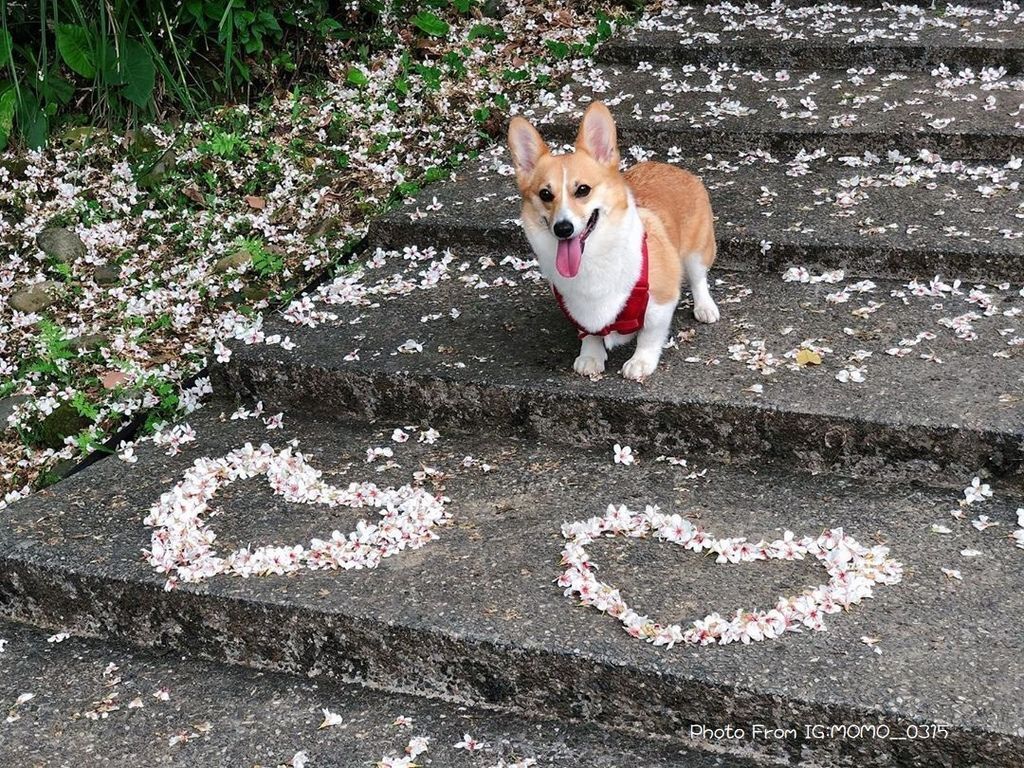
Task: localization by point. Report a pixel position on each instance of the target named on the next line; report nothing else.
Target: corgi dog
(613, 245)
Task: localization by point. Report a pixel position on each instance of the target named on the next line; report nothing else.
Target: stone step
(735, 108)
(942, 391)
(81, 713)
(476, 615)
(872, 216)
(828, 35)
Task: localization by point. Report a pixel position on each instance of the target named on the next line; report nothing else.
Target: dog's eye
(546, 195)
(582, 190)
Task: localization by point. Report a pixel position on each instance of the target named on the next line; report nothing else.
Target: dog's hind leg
(704, 307)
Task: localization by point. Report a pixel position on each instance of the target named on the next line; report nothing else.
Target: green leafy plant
(430, 23)
(356, 76)
(225, 144)
(62, 269)
(119, 62)
(239, 31)
(53, 350)
(487, 32)
(264, 261)
(51, 49)
(80, 402)
(77, 49)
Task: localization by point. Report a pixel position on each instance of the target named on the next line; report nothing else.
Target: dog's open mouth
(570, 250)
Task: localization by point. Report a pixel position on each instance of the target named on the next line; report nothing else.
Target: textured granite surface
(81, 714)
(476, 615)
(505, 363)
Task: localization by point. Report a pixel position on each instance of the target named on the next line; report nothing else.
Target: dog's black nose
(563, 228)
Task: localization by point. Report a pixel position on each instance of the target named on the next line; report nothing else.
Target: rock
(280, 216)
(56, 473)
(325, 226)
(143, 142)
(156, 174)
(107, 274)
(235, 260)
(7, 406)
(255, 293)
(63, 422)
(36, 297)
(336, 180)
(82, 136)
(88, 342)
(16, 168)
(494, 10)
(61, 244)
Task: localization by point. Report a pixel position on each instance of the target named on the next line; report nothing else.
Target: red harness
(631, 318)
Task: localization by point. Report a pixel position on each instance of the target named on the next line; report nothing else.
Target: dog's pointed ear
(527, 147)
(597, 135)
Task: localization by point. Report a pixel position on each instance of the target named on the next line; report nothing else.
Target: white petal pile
(854, 571)
(183, 546)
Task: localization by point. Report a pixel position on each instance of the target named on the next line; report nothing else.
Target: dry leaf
(112, 379)
(807, 357)
(256, 202)
(192, 193)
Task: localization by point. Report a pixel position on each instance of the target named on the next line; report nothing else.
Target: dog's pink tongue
(570, 253)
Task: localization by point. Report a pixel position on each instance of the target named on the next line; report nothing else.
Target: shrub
(120, 61)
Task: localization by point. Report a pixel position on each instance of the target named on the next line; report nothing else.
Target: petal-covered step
(475, 614)
(816, 370)
(892, 215)
(104, 703)
(832, 35)
(726, 106)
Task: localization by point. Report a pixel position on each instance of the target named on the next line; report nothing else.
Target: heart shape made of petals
(854, 570)
(183, 545)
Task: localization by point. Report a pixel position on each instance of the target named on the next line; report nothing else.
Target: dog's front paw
(640, 366)
(706, 312)
(587, 365)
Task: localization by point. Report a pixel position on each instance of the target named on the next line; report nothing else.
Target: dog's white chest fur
(611, 264)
